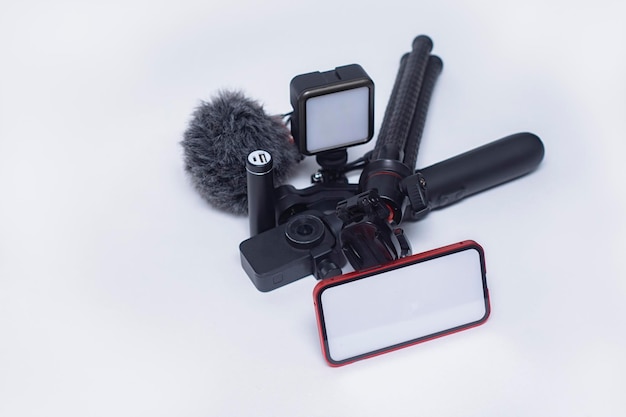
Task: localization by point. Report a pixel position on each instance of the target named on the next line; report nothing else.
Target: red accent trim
(420, 257)
(393, 174)
(390, 216)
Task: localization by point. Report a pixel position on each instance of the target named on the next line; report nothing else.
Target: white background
(121, 292)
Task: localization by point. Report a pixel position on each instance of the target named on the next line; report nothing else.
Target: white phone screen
(405, 304)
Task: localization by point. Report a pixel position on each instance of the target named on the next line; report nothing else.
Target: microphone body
(260, 175)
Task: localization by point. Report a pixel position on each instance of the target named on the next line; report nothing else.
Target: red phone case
(400, 263)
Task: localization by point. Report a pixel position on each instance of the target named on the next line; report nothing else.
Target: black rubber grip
(482, 168)
(411, 147)
(397, 122)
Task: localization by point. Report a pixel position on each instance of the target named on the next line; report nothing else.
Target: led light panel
(337, 119)
(332, 110)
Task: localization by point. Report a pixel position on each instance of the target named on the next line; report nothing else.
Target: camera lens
(304, 231)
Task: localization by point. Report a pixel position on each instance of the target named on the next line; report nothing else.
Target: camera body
(306, 244)
(332, 110)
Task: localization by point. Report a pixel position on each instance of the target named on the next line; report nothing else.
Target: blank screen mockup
(403, 305)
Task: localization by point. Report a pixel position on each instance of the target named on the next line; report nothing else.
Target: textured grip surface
(411, 148)
(482, 168)
(397, 122)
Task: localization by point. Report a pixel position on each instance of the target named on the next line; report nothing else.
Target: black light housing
(333, 109)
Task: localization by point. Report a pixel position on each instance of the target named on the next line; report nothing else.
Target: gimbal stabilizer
(315, 230)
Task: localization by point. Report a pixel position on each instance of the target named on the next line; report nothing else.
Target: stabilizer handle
(477, 170)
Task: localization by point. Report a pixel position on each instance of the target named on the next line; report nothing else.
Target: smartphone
(411, 300)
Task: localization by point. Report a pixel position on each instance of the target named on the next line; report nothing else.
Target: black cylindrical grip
(482, 168)
(404, 99)
(260, 184)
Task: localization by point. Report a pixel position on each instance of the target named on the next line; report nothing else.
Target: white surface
(121, 292)
(403, 304)
(337, 119)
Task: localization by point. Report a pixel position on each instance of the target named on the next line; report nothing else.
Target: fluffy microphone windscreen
(220, 135)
